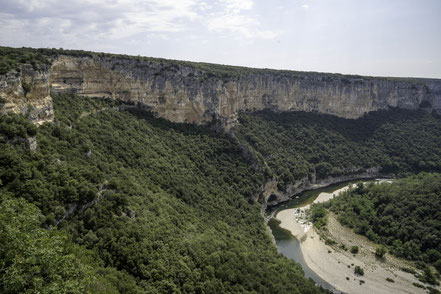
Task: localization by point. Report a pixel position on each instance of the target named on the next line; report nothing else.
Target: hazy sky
(370, 37)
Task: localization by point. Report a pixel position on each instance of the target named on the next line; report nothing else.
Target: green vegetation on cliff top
(11, 58)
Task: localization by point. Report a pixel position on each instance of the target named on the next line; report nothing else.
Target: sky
(367, 37)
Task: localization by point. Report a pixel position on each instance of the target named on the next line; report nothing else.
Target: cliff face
(272, 196)
(182, 93)
(28, 92)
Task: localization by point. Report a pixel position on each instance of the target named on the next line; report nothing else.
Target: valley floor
(336, 265)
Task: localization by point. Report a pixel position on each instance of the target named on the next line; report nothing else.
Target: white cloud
(77, 21)
(238, 5)
(203, 6)
(232, 22)
(93, 19)
(242, 25)
(234, 18)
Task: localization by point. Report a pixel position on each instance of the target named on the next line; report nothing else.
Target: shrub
(26, 88)
(317, 214)
(428, 277)
(354, 249)
(408, 270)
(433, 290)
(380, 251)
(329, 241)
(390, 280)
(437, 265)
(358, 271)
(418, 285)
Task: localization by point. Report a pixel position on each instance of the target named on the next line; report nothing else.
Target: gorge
(183, 158)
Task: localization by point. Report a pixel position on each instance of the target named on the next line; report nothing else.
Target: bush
(26, 88)
(428, 277)
(318, 215)
(354, 249)
(437, 265)
(358, 271)
(390, 280)
(418, 285)
(380, 251)
(408, 270)
(432, 290)
(329, 241)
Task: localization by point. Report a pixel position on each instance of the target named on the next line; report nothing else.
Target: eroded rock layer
(184, 93)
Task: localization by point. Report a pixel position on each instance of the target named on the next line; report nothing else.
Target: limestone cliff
(182, 92)
(272, 196)
(28, 92)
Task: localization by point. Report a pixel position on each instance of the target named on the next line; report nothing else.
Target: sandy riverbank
(294, 219)
(336, 266)
(331, 264)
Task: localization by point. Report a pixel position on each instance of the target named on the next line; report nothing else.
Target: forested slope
(405, 216)
(294, 145)
(152, 207)
(145, 205)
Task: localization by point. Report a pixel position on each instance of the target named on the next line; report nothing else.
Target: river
(286, 243)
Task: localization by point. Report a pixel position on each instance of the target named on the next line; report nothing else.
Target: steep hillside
(300, 150)
(171, 207)
(163, 206)
(196, 92)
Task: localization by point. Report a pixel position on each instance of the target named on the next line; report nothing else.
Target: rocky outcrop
(273, 196)
(180, 92)
(28, 92)
(30, 142)
(434, 86)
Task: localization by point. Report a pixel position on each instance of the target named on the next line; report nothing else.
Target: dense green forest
(120, 201)
(404, 216)
(294, 145)
(116, 200)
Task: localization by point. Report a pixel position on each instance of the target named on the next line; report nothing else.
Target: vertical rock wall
(182, 93)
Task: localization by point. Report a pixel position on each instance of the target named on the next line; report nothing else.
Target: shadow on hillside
(360, 129)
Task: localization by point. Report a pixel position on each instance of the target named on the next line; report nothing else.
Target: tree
(380, 251)
(35, 259)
